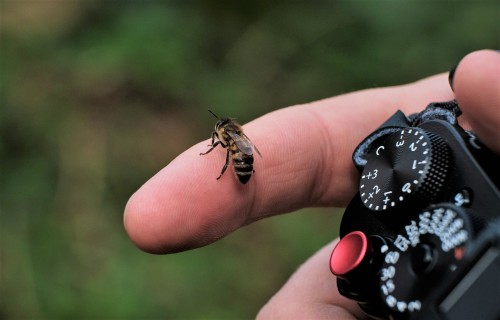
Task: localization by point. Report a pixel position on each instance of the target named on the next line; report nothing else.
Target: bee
(231, 137)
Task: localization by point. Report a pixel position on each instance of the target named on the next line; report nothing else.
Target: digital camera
(421, 238)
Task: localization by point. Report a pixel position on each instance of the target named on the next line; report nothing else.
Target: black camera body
(421, 238)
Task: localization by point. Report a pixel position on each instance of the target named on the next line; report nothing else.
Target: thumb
(476, 83)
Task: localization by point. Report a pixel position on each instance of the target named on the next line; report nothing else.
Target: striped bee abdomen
(243, 166)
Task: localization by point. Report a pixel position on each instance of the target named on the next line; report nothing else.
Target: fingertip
(476, 83)
(182, 207)
(153, 218)
(136, 226)
(146, 225)
(133, 226)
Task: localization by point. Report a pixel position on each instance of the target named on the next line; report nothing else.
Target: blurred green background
(97, 96)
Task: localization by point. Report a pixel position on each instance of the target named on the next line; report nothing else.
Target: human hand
(176, 209)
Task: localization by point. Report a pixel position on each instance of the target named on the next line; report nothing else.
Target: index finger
(306, 161)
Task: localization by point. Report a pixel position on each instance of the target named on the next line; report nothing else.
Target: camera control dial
(427, 248)
(411, 164)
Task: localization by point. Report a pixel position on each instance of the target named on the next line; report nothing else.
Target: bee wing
(254, 146)
(258, 152)
(242, 142)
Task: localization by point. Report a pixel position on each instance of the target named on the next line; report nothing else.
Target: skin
(176, 209)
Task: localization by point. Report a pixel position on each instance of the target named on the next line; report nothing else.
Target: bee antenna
(213, 113)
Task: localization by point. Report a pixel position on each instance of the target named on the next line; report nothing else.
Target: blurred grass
(96, 96)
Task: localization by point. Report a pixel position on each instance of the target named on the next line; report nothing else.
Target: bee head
(221, 122)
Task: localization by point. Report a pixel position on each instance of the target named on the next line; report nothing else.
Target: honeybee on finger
(239, 148)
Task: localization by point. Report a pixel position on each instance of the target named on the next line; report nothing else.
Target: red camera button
(348, 253)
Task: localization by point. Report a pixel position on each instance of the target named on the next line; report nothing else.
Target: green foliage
(96, 96)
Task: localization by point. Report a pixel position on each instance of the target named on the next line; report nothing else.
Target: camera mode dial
(410, 165)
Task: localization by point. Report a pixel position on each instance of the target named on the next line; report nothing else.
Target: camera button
(349, 253)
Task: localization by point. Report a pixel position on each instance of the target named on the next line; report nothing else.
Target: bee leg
(225, 165)
(213, 146)
(214, 134)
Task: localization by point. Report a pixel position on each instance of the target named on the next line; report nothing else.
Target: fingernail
(451, 75)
